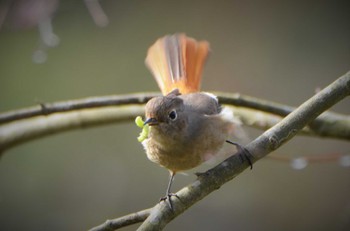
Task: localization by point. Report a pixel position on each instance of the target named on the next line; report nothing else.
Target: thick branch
(260, 147)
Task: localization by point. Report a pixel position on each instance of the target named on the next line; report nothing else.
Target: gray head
(166, 113)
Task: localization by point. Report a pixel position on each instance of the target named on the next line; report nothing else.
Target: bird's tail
(176, 62)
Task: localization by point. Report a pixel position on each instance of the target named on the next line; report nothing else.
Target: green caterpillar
(145, 129)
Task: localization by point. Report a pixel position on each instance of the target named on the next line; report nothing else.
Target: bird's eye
(173, 115)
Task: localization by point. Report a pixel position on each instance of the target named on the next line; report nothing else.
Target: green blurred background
(276, 50)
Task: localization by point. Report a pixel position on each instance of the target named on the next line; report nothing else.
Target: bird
(186, 126)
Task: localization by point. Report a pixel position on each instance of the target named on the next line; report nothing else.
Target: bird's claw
(167, 198)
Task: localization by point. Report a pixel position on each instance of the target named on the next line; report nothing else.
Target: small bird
(187, 127)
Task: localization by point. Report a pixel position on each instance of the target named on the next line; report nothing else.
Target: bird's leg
(245, 153)
(168, 194)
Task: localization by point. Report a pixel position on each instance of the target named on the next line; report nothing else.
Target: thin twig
(126, 220)
(71, 105)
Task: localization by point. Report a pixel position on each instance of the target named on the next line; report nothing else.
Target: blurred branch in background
(28, 14)
(30, 123)
(71, 105)
(21, 131)
(26, 124)
(97, 13)
(329, 124)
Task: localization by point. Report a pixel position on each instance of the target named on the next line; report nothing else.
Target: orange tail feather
(177, 61)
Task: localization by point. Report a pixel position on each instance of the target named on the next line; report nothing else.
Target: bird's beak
(151, 122)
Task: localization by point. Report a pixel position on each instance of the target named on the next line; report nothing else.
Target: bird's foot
(167, 198)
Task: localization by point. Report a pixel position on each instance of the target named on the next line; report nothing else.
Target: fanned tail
(176, 61)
